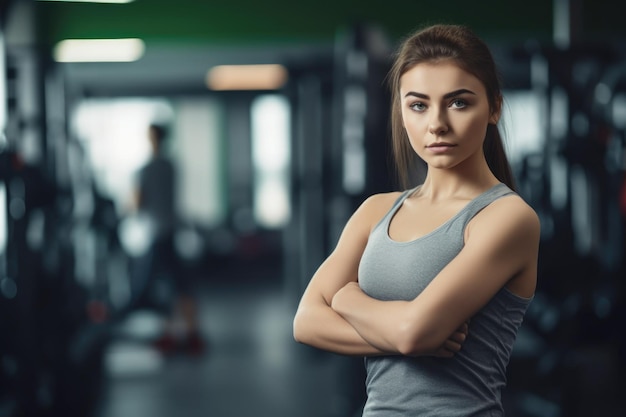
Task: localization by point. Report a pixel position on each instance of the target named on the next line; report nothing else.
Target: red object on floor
(165, 344)
(193, 344)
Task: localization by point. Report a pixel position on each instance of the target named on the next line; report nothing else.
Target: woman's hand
(454, 343)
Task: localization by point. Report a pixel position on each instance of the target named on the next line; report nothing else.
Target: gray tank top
(470, 383)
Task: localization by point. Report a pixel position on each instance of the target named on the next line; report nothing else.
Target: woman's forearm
(377, 322)
(321, 327)
(386, 325)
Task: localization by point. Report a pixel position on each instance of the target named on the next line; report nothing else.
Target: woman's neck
(441, 184)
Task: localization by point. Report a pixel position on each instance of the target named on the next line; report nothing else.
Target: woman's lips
(440, 147)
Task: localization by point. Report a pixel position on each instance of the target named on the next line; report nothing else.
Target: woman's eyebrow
(451, 94)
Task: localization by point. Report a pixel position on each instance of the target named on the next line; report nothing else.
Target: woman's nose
(438, 124)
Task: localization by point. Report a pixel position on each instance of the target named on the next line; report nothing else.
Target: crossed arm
(335, 315)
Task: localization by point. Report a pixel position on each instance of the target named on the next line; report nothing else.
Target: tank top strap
(483, 200)
(405, 194)
(396, 205)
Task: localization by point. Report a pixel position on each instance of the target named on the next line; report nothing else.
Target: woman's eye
(418, 106)
(459, 104)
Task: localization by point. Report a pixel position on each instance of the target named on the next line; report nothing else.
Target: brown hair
(461, 45)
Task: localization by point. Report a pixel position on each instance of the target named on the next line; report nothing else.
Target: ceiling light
(246, 77)
(98, 50)
(93, 1)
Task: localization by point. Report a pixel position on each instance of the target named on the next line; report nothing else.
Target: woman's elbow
(297, 332)
(410, 347)
(415, 342)
(299, 328)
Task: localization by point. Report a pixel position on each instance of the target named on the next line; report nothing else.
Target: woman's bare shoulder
(381, 201)
(374, 208)
(511, 212)
(383, 198)
(517, 206)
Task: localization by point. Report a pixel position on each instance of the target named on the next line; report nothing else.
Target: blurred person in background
(155, 198)
(431, 284)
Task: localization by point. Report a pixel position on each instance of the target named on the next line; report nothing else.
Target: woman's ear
(496, 111)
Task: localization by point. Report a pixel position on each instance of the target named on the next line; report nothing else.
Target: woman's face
(445, 113)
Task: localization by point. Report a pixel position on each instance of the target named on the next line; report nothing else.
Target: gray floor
(252, 366)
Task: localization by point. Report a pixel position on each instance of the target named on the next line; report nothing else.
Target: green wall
(249, 21)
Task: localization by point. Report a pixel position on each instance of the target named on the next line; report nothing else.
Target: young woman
(431, 284)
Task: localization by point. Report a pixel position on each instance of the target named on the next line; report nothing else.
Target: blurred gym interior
(271, 164)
